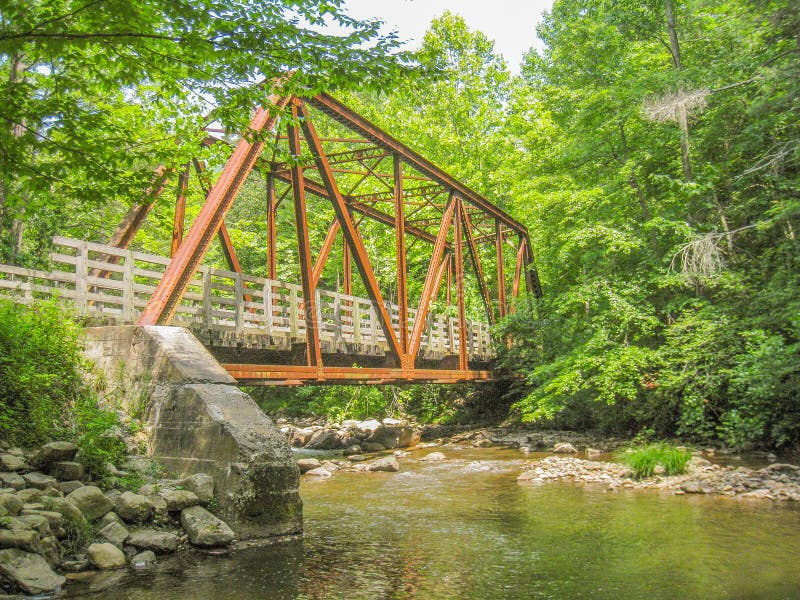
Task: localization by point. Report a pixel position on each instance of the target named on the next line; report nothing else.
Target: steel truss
(455, 220)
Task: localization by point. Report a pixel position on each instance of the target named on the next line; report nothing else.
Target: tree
(98, 93)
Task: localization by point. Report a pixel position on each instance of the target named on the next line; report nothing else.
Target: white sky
(510, 23)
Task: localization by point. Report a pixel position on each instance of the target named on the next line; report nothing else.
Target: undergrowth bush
(644, 460)
(43, 394)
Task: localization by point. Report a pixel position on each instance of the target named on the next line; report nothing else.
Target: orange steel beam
(322, 257)
(313, 350)
(518, 269)
(263, 374)
(348, 269)
(359, 207)
(180, 211)
(462, 315)
(345, 115)
(430, 287)
(501, 277)
(179, 272)
(400, 249)
(476, 263)
(350, 232)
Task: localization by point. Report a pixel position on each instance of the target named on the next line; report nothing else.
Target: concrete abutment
(198, 421)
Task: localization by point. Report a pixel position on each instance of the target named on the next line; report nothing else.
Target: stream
(464, 528)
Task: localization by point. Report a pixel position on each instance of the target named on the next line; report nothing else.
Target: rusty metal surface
(289, 375)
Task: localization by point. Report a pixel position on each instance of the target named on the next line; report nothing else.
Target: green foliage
(39, 372)
(644, 460)
(95, 429)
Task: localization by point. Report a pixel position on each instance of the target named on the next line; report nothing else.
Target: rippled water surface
(464, 528)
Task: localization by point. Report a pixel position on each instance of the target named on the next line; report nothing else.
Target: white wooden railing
(222, 307)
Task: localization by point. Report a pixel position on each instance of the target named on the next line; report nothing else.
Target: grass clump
(644, 461)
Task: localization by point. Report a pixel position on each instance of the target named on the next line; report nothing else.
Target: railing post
(127, 289)
(293, 328)
(238, 303)
(268, 306)
(355, 315)
(373, 323)
(206, 298)
(81, 277)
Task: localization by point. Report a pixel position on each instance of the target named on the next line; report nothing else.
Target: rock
(109, 518)
(54, 519)
(38, 480)
(11, 480)
(27, 539)
(114, 533)
(160, 506)
(67, 487)
(10, 462)
(133, 508)
(318, 472)
(356, 458)
(201, 484)
(307, 464)
(353, 449)
(204, 529)
(388, 463)
(780, 468)
(53, 452)
(73, 516)
(36, 522)
(409, 437)
(324, 439)
(593, 452)
(106, 556)
(29, 572)
(75, 566)
(151, 539)
(528, 476)
(368, 426)
(11, 503)
(565, 448)
(330, 466)
(372, 447)
(177, 500)
(91, 501)
(388, 437)
(143, 559)
(692, 487)
(29, 495)
(433, 457)
(66, 470)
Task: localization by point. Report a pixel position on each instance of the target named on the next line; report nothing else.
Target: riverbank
(364, 446)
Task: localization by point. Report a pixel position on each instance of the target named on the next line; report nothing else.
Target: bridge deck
(238, 314)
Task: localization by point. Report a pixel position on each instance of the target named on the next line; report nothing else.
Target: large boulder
(91, 501)
(11, 503)
(388, 463)
(565, 448)
(11, 462)
(106, 556)
(53, 452)
(11, 480)
(66, 470)
(115, 533)
(133, 508)
(177, 500)
(73, 518)
(307, 464)
(29, 572)
(204, 529)
(40, 481)
(201, 484)
(151, 539)
(324, 439)
(143, 560)
(24, 538)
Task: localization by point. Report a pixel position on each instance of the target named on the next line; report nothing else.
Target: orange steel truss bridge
(365, 176)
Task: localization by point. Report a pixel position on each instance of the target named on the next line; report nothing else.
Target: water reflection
(463, 528)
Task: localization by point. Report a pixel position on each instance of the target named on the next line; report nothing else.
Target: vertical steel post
(400, 246)
(501, 276)
(462, 315)
(313, 351)
(347, 267)
(180, 211)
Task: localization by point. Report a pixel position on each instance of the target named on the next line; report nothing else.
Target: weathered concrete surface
(198, 421)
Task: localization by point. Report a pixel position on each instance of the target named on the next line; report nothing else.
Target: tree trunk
(683, 117)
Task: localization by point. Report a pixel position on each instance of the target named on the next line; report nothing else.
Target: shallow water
(464, 528)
